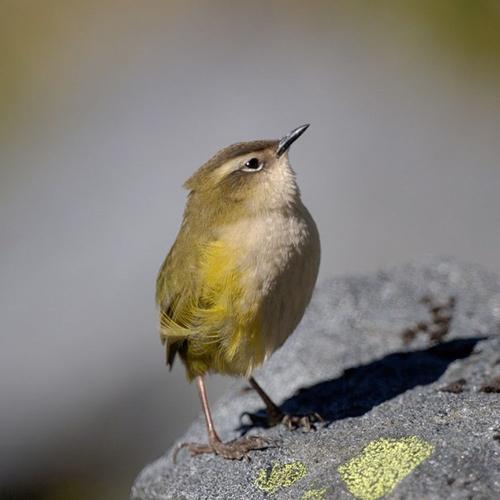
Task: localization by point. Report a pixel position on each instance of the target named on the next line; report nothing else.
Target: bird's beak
(289, 139)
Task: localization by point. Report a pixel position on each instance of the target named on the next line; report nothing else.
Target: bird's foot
(292, 422)
(306, 422)
(233, 450)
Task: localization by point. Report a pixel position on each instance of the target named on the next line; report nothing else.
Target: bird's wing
(177, 289)
(195, 290)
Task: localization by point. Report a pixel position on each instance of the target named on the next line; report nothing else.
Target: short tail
(175, 345)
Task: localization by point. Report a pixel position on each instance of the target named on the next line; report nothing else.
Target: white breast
(279, 258)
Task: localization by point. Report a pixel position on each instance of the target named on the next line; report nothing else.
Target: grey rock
(349, 362)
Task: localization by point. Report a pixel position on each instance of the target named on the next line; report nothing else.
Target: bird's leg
(236, 449)
(276, 416)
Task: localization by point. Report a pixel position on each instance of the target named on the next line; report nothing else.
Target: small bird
(239, 276)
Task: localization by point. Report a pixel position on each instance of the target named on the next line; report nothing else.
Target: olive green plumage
(242, 269)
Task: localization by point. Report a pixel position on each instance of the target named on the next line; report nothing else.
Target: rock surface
(405, 379)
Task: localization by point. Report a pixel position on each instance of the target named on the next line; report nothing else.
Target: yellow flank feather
(220, 322)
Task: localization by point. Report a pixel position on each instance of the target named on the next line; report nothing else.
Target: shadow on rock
(361, 388)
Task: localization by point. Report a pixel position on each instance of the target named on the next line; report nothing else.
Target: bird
(239, 276)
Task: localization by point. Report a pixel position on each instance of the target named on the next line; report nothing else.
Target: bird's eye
(253, 165)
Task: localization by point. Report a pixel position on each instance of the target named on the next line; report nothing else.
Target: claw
(176, 451)
(234, 450)
(305, 421)
(292, 422)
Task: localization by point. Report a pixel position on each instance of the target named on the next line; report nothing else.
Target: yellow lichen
(281, 476)
(314, 494)
(382, 464)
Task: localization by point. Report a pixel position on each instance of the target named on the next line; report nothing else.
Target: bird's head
(247, 177)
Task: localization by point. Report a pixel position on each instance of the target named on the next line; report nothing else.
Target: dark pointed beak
(290, 138)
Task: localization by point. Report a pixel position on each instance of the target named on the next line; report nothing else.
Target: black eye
(252, 164)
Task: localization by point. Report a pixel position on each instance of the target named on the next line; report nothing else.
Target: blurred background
(106, 107)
